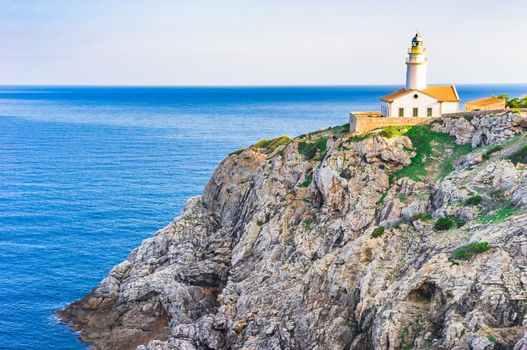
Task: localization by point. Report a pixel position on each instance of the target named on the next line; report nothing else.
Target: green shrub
(444, 223)
(459, 223)
(519, 156)
(516, 102)
(474, 200)
(491, 338)
(377, 232)
(466, 252)
(235, 153)
(310, 149)
(271, 145)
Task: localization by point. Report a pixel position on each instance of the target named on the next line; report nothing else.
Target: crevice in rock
(424, 293)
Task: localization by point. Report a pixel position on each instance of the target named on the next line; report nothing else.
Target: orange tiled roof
(446, 93)
(395, 95)
(484, 101)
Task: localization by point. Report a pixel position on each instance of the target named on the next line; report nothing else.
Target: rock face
(284, 251)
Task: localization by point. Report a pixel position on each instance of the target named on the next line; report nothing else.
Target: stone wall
(488, 107)
(522, 111)
(360, 124)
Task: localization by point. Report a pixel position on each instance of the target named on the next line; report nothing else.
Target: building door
(415, 112)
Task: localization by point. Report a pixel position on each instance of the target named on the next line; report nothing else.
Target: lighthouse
(417, 99)
(416, 65)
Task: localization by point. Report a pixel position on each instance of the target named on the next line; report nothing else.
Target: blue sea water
(87, 173)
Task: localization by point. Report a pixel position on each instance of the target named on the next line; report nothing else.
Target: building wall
(487, 107)
(385, 109)
(449, 107)
(408, 102)
(360, 124)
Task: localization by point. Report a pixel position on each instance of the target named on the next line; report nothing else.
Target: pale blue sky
(272, 42)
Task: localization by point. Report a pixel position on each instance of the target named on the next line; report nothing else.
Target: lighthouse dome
(417, 40)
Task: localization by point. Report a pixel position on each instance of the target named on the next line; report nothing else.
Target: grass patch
(271, 145)
(492, 149)
(341, 129)
(235, 153)
(474, 200)
(431, 149)
(377, 232)
(519, 156)
(466, 252)
(394, 131)
(308, 178)
(360, 137)
(310, 149)
(499, 214)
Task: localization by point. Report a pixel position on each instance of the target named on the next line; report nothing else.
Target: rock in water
(336, 242)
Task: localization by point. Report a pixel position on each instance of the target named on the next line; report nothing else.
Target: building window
(429, 112)
(401, 112)
(416, 96)
(415, 112)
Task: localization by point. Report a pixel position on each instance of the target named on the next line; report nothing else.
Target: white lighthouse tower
(416, 65)
(417, 99)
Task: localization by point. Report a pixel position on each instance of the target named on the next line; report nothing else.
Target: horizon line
(244, 85)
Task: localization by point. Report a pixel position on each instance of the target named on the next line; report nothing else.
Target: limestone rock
(278, 253)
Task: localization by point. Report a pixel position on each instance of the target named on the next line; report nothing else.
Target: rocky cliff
(402, 238)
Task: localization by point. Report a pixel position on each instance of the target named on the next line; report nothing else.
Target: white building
(417, 99)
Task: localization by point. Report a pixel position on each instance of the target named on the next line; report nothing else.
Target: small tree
(377, 232)
(474, 200)
(444, 223)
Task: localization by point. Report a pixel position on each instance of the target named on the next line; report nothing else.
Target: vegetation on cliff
(435, 154)
(515, 102)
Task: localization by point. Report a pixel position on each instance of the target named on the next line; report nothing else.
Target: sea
(87, 173)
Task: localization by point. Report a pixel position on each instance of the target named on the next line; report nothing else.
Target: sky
(246, 42)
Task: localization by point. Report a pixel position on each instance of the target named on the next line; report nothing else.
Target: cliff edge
(402, 238)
